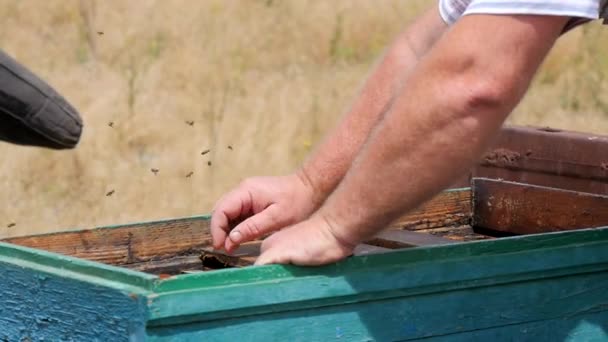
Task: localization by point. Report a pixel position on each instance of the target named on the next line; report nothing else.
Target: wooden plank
(548, 157)
(153, 241)
(126, 244)
(517, 208)
(450, 208)
(38, 306)
(51, 297)
(174, 265)
(365, 249)
(394, 238)
(457, 234)
(491, 313)
(548, 266)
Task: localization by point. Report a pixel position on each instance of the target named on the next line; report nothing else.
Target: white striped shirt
(580, 10)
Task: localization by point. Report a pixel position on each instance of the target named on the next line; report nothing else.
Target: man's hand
(259, 206)
(308, 243)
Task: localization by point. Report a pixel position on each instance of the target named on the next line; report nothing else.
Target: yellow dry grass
(265, 77)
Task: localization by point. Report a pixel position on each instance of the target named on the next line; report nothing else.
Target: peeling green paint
(520, 288)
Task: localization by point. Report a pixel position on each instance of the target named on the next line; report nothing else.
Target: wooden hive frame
(84, 285)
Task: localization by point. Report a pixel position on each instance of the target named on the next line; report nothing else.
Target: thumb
(255, 226)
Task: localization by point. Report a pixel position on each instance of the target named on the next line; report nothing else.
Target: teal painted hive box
(159, 282)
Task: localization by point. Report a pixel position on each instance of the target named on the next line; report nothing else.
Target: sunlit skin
(425, 114)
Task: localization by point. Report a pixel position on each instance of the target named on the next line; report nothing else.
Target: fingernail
(235, 236)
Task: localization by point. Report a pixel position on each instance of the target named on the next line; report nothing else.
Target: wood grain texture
(450, 208)
(126, 244)
(526, 209)
(546, 157)
(163, 242)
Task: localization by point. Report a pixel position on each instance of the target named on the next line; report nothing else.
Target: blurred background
(256, 82)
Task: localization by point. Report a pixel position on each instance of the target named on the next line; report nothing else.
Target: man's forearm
(444, 116)
(330, 162)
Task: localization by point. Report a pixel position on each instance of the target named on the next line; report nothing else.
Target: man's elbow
(488, 92)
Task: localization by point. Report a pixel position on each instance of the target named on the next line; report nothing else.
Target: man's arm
(271, 203)
(326, 167)
(447, 111)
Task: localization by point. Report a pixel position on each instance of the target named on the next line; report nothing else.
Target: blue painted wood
(505, 289)
(391, 275)
(37, 306)
(473, 314)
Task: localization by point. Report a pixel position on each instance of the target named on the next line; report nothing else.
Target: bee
(205, 152)
(189, 174)
(110, 193)
(230, 147)
(154, 171)
(100, 33)
(209, 163)
(191, 123)
(111, 124)
(11, 225)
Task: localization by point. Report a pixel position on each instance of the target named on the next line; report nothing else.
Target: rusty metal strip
(517, 208)
(548, 157)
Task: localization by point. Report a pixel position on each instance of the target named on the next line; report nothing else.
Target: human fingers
(266, 221)
(232, 206)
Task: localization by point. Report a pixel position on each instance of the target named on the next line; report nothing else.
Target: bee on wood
(110, 193)
(230, 147)
(154, 171)
(111, 124)
(189, 174)
(205, 152)
(11, 225)
(191, 123)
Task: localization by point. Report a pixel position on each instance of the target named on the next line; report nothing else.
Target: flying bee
(191, 123)
(11, 225)
(110, 193)
(111, 124)
(154, 171)
(230, 147)
(209, 163)
(189, 174)
(205, 152)
(100, 33)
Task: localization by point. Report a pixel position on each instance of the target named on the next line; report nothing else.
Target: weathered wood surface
(448, 209)
(145, 244)
(457, 234)
(547, 157)
(245, 255)
(526, 209)
(395, 238)
(49, 297)
(126, 244)
(509, 285)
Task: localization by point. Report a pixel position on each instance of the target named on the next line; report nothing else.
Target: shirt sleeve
(588, 9)
(452, 10)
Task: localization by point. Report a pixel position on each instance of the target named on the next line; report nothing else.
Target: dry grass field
(259, 81)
